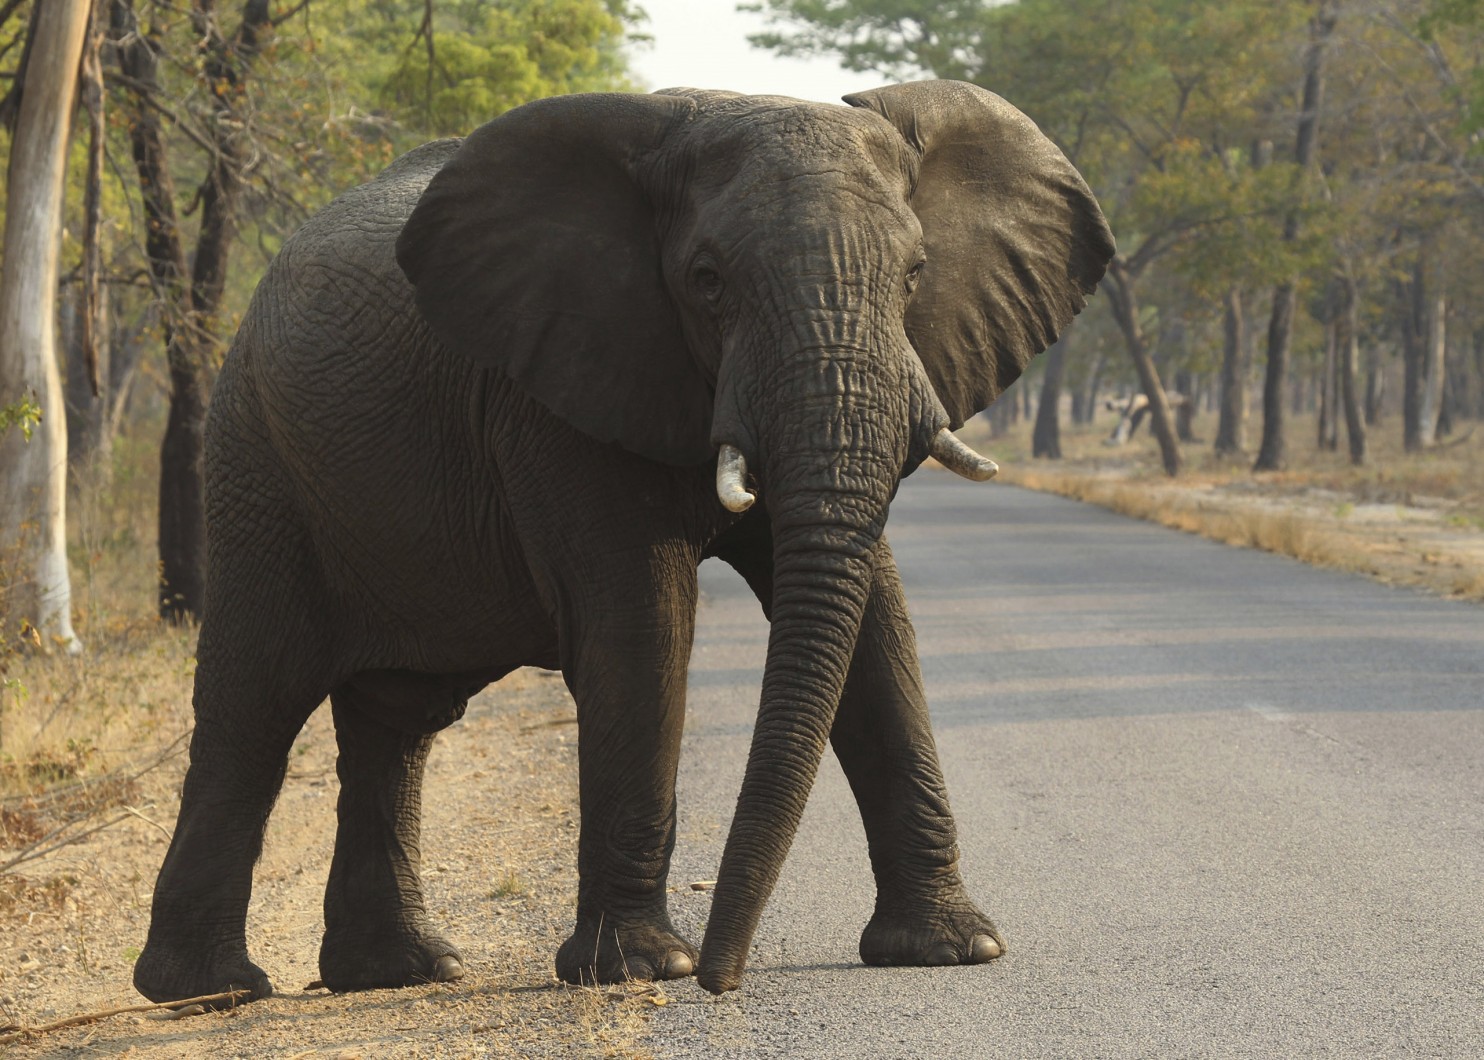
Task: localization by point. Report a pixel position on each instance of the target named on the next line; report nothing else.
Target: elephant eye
(914, 276)
(708, 281)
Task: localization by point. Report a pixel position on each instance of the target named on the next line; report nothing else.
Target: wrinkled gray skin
(482, 434)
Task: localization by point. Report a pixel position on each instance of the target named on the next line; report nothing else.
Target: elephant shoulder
(334, 289)
(356, 231)
(419, 164)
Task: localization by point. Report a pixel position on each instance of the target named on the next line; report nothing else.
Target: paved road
(1221, 804)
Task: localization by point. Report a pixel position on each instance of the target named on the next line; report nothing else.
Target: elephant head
(816, 292)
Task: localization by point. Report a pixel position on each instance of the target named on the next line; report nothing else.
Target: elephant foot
(168, 973)
(613, 954)
(384, 960)
(948, 933)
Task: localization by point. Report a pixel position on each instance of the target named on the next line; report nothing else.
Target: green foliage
(900, 38)
(413, 81)
(24, 414)
(1440, 21)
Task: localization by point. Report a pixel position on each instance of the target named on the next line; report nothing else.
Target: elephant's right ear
(535, 251)
(1015, 240)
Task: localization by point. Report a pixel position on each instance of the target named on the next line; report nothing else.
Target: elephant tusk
(731, 474)
(960, 459)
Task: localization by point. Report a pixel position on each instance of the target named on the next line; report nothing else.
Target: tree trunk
(88, 439)
(33, 475)
(1329, 383)
(1231, 426)
(1375, 385)
(1479, 375)
(1348, 351)
(1046, 437)
(999, 417)
(1185, 411)
(1120, 287)
(1090, 388)
(85, 322)
(1433, 367)
(1448, 407)
(1414, 342)
(191, 345)
(1272, 454)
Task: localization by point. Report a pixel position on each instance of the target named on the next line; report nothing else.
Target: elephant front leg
(884, 742)
(627, 674)
(376, 925)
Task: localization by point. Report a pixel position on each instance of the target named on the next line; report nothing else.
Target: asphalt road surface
(1219, 803)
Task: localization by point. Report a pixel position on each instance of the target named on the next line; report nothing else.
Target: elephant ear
(1015, 240)
(535, 251)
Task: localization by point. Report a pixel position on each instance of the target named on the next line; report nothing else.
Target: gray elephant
(493, 408)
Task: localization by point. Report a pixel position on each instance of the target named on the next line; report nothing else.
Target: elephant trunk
(827, 500)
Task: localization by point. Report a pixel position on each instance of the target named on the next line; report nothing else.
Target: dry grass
(1406, 518)
(1284, 533)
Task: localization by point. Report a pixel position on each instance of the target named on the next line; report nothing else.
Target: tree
(1046, 435)
(33, 484)
(1272, 454)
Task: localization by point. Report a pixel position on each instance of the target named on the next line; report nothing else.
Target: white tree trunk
(33, 475)
(1436, 345)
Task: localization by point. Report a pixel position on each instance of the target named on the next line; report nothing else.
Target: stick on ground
(94, 1017)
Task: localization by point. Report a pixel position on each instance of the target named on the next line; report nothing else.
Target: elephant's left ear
(1015, 239)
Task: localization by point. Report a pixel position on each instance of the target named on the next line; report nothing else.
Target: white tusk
(731, 474)
(960, 459)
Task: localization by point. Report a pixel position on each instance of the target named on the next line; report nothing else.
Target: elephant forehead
(762, 144)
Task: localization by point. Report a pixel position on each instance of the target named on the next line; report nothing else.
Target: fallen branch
(40, 848)
(169, 835)
(17, 1033)
(57, 794)
(551, 723)
(36, 850)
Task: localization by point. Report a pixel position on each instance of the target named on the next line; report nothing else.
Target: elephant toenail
(447, 968)
(983, 948)
(678, 965)
(638, 968)
(941, 954)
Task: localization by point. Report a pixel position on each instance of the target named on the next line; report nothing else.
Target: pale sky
(703, 44)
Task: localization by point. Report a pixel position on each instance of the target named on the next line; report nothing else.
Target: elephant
(493, 408)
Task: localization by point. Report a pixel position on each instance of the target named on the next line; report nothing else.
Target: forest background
(1296, 309)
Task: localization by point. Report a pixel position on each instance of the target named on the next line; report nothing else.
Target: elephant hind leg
(264, 662)
(245, 726)
(376, 926)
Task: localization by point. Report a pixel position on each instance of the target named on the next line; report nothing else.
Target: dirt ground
(500, 835)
